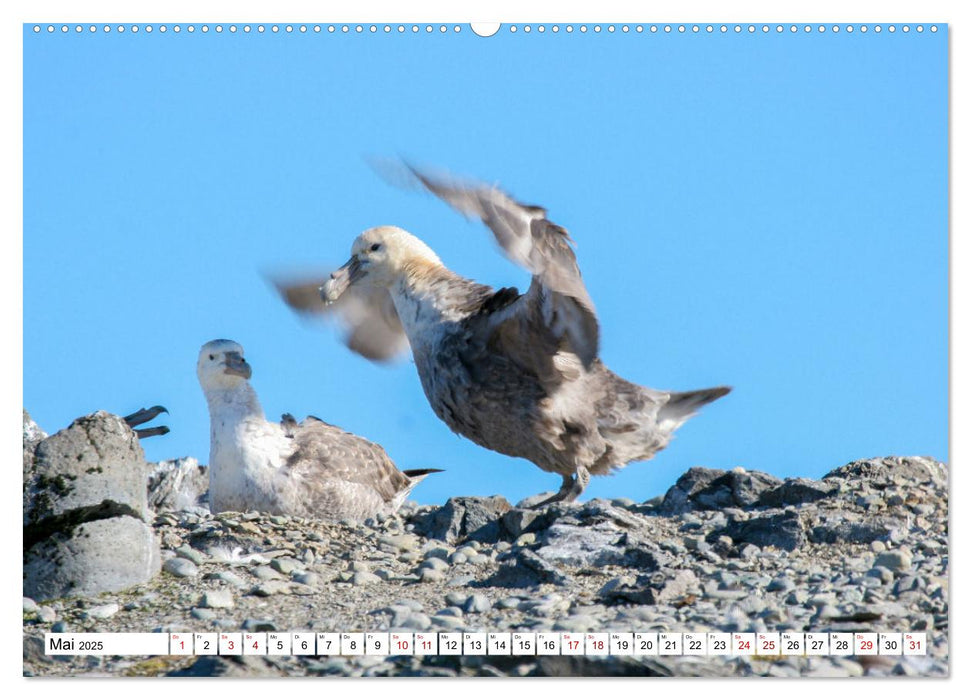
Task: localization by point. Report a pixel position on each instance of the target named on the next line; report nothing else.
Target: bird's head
(221, 365)
(379, 257)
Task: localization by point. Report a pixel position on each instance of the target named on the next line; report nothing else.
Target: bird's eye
(375, 247)
(212, 357)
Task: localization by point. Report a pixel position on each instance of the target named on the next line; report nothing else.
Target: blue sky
(767, 211)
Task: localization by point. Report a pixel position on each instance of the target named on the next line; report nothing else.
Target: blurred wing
(557, 295)
(366, 314)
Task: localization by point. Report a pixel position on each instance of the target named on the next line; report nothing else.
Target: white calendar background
(761, 644)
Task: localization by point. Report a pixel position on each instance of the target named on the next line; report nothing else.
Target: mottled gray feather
(366, 314)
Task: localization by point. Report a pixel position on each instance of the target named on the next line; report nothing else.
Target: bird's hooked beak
(342, 278)
(235, 364)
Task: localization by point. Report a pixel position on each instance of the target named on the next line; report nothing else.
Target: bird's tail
(683, 404)
(420, 474)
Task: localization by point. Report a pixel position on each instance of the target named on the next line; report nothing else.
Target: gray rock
(888, 470)
(286, 565)
(308, 578)
(256, 625)
(219, 598)
(464, 517)
(659, 588)
(782, 530)
(713, 489)
(477, 603)
(187, 552)
(99, 556)
(93, 468)
(177, 484)
(85, 510)
(30, 606)
(363, 578)
(230, 578)
(183, 568)
(582, 545)
(895, 560)
(102, 612)
(267, 589)
(797, 491)
(856, 532)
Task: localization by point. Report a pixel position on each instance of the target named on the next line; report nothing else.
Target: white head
(379, 256)
(221, 366)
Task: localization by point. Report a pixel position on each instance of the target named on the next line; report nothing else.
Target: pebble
(29, 605)
(286, 565)
(477, 603)
(895, 560)
(265, 573)
(308, 578)
(219, 598)
(183, 568)
(435, 564)
(229, 577)
(432, 575)
(271, 588)
(254, 625)
(187, 552)
(102, 612)
(860, 568)
(364, 578)
(445, 622)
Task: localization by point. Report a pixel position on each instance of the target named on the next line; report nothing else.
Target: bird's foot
(143, 415)
(573, 486)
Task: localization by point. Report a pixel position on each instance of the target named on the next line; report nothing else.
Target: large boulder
(85, 511)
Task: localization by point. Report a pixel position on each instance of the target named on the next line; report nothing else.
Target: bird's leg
(143, 415)
(573, 486)
(149, 432)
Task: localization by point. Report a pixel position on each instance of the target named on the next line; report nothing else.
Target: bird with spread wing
(519, 374)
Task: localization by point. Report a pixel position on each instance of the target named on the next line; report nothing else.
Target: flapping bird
(309, 469)
(515, 373)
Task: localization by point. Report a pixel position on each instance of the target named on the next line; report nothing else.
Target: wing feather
(324, 454)
(557, 297)
(365, 313)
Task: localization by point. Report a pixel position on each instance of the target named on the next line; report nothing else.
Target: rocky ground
(863, 549)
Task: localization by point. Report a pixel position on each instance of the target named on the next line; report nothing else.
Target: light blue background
(766, 211)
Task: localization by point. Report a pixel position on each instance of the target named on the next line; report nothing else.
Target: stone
(477, 603)
(582, 545)
(85, 510)
(782, 530)
(99, 556)
(796, 492)
(183, 568)
(464, 517)
(177, 484)
(102, 612)
(95, 468)
(894, 560)
(219, 598)
(713, 489)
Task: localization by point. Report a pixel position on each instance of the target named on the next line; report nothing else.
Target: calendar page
(361, 348)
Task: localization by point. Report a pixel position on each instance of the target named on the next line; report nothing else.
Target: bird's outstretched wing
(557, 297)
(366, 314)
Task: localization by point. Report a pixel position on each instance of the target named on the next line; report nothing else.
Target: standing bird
(309, 469)
(515, 373)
